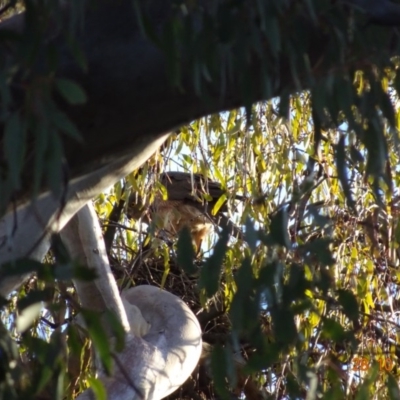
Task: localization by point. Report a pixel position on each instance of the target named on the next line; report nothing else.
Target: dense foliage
(304, 301)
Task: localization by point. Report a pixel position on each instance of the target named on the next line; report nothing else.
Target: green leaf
(349, 303)
(219, 369)
(297, 284)
(65, 268)
(311, 11)
(269, 273)
(170, 47)
(52, 57)
(66, 272)
(77, 53)
(333, 330)
(369, 382)
(116, 328)
(386, 106)
(393, 387)
(146, 26)
(185, 251)
(34, 296)
(83, 273)
(20, 267)
(334, 393)
(220, 202)
(98, 388)
(71, 91)
(211, 271)
(342, 171)
(279, 228)
(44, 353)
(244, 308)
(64, 124)
(284, 327)
(320, 248)
(244, 277)
(163, 190)
(284, 105)
(99, 337)
(60, 384)
(344, 95)
(59, 250)
(356, 155)
(325, 281)
(261, 360)
(273, 36)
(294, 388)
(74, 340)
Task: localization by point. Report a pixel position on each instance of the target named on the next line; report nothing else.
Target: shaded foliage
(305, 304)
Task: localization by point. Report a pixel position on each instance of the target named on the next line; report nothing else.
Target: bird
(189, 201)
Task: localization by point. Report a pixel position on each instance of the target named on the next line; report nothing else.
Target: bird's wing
(190, 187)
(184, 188)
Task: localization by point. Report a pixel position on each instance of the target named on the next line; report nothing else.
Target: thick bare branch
(382, 12)
(156, 365)
(84, 240)
(130, 96)
(25, 233)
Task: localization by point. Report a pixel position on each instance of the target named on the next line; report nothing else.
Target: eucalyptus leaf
(71, 91)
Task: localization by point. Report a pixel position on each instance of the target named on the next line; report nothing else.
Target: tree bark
(156, 365)
(25, 232)
(84, 240)
(131, 103)
(130, 96)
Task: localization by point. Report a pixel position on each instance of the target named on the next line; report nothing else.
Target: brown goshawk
(190, 199)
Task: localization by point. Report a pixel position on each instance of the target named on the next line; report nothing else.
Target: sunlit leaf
(98, 388)
(220, 202)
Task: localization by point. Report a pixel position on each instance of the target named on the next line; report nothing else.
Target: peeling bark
(156, 365)
(84, 240)
(26, 232)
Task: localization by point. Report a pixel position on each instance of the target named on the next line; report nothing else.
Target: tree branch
(26, 232)
(131, 97)
(84, 240)
(382, 12)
